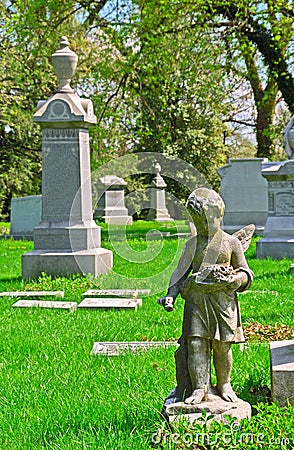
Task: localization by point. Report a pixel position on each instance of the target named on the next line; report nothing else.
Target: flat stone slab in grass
(70, 306)
(215, 406)
(282, 371)
(264, 292)
(116, 348)
(117, 292)
(108, 303)
(32, 294)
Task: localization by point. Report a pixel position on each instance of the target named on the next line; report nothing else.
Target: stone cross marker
(67, 240)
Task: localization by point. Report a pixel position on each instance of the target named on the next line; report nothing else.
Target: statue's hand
(236, 281)
(167, 302)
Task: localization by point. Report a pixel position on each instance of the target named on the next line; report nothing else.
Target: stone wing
(245, 235)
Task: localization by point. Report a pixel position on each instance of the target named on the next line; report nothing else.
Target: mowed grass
(55, 395)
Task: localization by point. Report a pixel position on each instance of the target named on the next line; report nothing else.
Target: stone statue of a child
(212, 318)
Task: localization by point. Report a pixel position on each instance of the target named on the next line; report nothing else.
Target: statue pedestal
(214, 406)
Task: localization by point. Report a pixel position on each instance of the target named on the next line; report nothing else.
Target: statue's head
(206, 208)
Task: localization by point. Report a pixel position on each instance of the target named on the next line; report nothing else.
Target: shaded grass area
(142, 227)
(54, 395)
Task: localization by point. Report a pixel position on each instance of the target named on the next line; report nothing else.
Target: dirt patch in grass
(257, 331)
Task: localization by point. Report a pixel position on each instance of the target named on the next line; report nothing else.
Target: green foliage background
(163, 76)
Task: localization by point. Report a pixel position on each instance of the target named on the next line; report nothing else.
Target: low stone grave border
(116, 292)
(32, 294)
(110, 303)
(70, 306)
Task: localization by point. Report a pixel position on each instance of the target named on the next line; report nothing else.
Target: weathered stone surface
(116, 292)
(275, 248)
(116, 348)
(244, 192)
(70, 306)
(282, 371)
(32, 294)
(65, 263)
(215, 406)
(109, 303)
(212, 320)
(67, 240)
(111, 201)
(25, 215)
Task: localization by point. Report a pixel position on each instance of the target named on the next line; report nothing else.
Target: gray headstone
(110, 303)
(67, 240)
(25, 215)
(244, 192)
(282, 371)
(116, 348)
(32, 294)
(278, 236)
(70, 306)
(111, 201)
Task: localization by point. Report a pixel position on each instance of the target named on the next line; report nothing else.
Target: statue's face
(206, 209)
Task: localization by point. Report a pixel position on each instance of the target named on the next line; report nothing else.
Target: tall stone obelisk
(67, 240)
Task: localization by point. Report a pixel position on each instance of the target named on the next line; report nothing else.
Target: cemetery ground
(55, 395)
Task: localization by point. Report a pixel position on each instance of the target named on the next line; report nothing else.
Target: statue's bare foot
(227, 393)
(196, 397)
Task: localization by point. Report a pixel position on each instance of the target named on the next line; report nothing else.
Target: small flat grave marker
(70, 306)
(116, 292)
(116, 348)
(107, 303)
(32, 294)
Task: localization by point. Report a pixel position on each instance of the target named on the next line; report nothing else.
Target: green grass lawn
(54, 395)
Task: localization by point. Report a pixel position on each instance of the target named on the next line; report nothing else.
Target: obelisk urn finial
(64, 62)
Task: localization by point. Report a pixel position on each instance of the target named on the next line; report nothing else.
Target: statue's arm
(179, 275)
